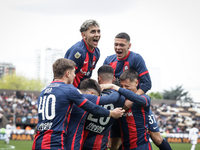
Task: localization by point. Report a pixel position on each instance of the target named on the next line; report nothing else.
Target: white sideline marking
(8, 147)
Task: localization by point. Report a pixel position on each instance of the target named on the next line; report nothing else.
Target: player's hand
(109, 86)
(127, 105)
(117, 112)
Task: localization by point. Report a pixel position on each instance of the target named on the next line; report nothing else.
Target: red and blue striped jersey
(85, 60)
(131, 61)
(54, 106)
(76, 124)
(134, 122)
(97, 129)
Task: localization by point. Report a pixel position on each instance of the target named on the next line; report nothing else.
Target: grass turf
(27, 145)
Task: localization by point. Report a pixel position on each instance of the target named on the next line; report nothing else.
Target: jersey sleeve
(139, 99)
(93, 98)
(85, 104)
(140, 67)
(106, 61)
(76, 55)
(111, 98)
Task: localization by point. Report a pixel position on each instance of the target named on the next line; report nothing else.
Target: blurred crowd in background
(170, 118)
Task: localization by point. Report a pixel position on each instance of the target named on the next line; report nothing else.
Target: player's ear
(129, 46)
(137, 82)
(67, 73)
(83, 35)
(99, 79)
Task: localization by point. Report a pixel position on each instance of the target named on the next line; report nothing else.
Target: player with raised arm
(54, 105)
(85, 52)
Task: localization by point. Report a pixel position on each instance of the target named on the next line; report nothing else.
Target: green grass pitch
(26, 145)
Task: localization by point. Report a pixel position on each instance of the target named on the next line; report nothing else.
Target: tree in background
(20, 82)
(155, 95)
(177, 93)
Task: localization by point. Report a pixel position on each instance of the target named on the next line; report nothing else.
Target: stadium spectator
(85, 52)
(51, 128)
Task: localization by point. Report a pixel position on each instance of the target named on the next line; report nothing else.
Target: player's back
(53, 110)
(76, 124)
(97, 129)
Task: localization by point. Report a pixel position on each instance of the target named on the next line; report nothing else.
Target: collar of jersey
(56, 81)
(88, 47)
(125, 57)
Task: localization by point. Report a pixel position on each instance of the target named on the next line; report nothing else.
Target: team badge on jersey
(77, 55)
(126, 67)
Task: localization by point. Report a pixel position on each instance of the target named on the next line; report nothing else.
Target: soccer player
(91, 90)
(8, 131)
(125, 59)
(85, 52)
(54, 105)
(193, 136)
(97, 129)
(134, 123)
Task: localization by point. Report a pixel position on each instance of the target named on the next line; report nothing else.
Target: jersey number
(44, 107)
(152, 119)
(101, 119)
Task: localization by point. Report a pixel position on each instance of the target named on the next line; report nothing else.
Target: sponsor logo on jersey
(77, 55)
(95, 128)
(128, 114)
(155, 127)
(85, 73)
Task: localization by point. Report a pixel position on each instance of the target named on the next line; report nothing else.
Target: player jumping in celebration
(54, 106)
(126, 59)
(85, 52)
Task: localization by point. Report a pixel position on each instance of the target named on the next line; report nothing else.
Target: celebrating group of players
(75, 112)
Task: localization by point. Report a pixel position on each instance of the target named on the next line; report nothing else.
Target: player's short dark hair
(123, 35)
(90, 84)
(106, 72)
(61, 65)
(87, 24)
(129, 74)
